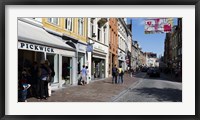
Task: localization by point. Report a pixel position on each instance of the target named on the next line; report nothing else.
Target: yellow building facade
(68, 26)
(72, 31)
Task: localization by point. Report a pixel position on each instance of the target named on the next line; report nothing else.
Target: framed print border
(99, 2)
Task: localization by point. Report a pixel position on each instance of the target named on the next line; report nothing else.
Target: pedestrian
(23, 87)
(114, 74)
(120, 74)
(45, 74)
(34, 79)
(83, 75)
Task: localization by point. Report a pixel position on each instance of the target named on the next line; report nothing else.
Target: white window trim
(52, 21)
(81, 32)
(71, 25)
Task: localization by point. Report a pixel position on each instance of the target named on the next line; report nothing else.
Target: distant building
(173, 47)
(151, 59)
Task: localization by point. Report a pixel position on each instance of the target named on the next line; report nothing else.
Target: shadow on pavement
(163, 77)
(165, 94)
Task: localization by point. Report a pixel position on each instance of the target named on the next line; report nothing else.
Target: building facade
(129, 45)
(168, 50)
(74, 32)
(135, 55)
(113, 43)
(98, 37)
(122, 39)
(179, 46)
(151, 59)
(35, 44)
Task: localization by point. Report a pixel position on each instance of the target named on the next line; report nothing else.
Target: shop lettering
(36, 47)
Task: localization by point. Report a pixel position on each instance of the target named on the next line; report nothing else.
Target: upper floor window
(53, 20)
(69, 24)
(91, 27)
(99, 32)
(104, 32)
(80, 26)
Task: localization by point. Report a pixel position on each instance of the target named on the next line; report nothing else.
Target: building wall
(60, 27)
(99, 36)
(122, 39)
(71, 27)
(113, 43)
(179, 48)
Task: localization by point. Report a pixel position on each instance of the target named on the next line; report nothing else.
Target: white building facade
(98, 37)
(122, 39)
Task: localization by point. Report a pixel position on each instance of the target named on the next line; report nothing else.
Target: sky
(148, 42)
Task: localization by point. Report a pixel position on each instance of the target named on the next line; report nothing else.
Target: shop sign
(81, 48)
(28, 46)
(99, 48)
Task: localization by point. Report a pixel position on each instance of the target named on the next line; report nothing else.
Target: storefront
(35, 45)
(99, 62)
(81, 56)
(121, 59)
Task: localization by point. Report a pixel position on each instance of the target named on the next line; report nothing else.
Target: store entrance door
(52, 58)
(66, 69)
(98, 68)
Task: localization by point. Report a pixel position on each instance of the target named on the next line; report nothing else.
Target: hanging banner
(158, 25)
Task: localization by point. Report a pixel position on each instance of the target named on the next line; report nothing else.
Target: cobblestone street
(95, 91)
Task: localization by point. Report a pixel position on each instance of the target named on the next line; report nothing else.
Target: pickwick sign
(29, 46)
(158, 25)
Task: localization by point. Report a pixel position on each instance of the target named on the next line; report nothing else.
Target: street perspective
(64, 59)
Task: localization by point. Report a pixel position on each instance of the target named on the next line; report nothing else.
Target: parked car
(144, 69)
(149, 70)
(153, 72)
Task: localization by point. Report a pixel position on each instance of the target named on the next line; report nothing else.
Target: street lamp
(89, 51)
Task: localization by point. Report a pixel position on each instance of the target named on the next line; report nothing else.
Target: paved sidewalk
(95, 91)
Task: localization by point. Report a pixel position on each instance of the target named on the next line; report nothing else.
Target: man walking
(114, 75)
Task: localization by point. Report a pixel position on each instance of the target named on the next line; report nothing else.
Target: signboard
(158, 25)
(81, 47)
(34, 47)
(89, 48)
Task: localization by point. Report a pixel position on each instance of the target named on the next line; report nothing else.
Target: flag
(158, 25)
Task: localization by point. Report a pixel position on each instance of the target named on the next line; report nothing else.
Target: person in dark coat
(114, 74)
(44, 73)
(34, 79)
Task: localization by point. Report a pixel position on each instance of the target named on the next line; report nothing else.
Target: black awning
(68, 38)
(71, 44)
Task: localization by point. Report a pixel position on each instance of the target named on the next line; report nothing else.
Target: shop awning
(34, 34)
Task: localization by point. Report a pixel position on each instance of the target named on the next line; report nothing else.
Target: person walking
(45, 74)
(114, 74)
(121, 73)
(34, 79)
(84, 75)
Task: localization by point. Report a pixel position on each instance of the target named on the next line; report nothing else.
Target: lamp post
(89, 51)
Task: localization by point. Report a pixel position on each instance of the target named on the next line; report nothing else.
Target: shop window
(66, 68)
